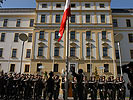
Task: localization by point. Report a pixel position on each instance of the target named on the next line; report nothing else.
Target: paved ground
(90, 99)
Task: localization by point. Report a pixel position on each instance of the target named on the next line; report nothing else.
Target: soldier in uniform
(56, 87)
(120, 87)
(111, 88)
(2, 86)
(85, 91)
(74, 88)
(102, 88)
(50, 85)
(80, 86)
(39, 86)
(9, 90)
(27, 87)
(15, 86)
(92, 86)
(63, 86)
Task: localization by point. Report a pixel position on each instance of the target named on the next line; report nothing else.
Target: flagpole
(90, 61)
(67, 55)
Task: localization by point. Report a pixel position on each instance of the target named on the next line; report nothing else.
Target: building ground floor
(101, 67)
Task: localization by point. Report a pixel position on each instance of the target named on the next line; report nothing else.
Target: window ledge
(14, 57)
(56, 56)
(56, 39)
(74, 57)
(41, 39)
(88, 39)
(104, 39)
(27, 57)
(40, 56)
(89, 57)
(73, 39)
(1, 57)
(106, 57)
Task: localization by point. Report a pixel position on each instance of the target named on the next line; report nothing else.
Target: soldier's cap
(51, 74)
(80, 71)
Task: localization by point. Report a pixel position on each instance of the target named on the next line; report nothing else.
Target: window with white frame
(14, 53)
(18, 23)
(105, 51)
(57, 18)
(72, 51)
(16, 37)
(5, 22)
(56, 51)
(43, 17)
(40, 51)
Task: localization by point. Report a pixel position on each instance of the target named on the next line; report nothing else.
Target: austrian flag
(64, 19)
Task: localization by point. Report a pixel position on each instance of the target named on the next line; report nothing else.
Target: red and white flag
(64, 19)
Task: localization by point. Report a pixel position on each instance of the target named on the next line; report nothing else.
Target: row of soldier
(110, 88)
(106, 88)
(28, 87)
(24, 86)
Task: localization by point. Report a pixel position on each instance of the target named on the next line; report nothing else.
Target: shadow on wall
(125, 76)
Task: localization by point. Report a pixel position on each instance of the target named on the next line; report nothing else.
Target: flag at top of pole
(67, 13)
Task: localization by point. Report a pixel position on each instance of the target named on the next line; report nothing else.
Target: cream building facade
(92, 43)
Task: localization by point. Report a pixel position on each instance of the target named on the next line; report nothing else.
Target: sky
(32, 4)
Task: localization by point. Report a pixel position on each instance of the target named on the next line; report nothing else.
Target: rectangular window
(72, 67)
(118, 70)
(87, 5)
(18, 22)
(27, 67)
(38, 67)
(40, 51)
(56, 34)
(87, 18)
(131, 53)
(44, 5)
(1, 52)
(88, 34)
(102, 5)
(30, 37)
(88, 51)
(72, 18)
(73, 5)
(117, 54)
(55, 67)
(56, 51)
(57, 18)
(72, 51)
(28, 53)
(105, 51)
(2, 37)
(43, 18)
(41, 35)
(12, 68)
(31, 22)
(128, 23)
(16, 37)
(72, 35)
(115, 23)
(89, 66)
(102, 18)
(58, 5)
(106, 68)
(104, 35)
(14, 53)
(130, 36)
(5, 22)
